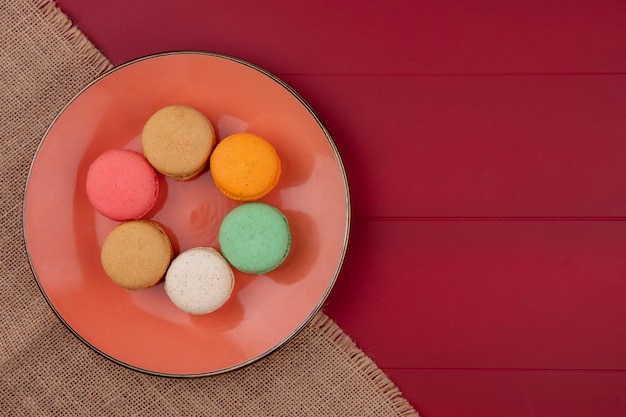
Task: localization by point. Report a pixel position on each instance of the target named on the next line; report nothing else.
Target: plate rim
(336, 154)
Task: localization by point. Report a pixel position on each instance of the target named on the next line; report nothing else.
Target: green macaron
(255, 238)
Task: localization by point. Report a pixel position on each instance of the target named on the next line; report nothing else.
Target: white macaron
(199, 280)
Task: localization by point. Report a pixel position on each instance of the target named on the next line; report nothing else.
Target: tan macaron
(177, 140)
(136, 254)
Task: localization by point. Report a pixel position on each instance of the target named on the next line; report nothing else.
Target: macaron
(199, 280)
(136, 254)
(245, 166)
(177, 140)
(122, 185)
(255, 237)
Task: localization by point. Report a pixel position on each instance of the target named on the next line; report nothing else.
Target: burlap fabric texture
(44, 369)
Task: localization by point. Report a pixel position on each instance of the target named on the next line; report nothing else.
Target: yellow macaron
(245, 166)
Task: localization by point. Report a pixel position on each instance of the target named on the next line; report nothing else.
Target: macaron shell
(177, 140)
(245, 166)
(199, 280)
(255, 237)
(136, 254)
(122, 185)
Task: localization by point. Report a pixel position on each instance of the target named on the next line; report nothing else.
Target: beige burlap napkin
(44, 369)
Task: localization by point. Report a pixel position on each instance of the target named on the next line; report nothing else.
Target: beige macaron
(199, 280)
(177, 140)
(136, 254)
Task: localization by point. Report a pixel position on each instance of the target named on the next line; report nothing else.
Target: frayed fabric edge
(365, 364)
(75, 38)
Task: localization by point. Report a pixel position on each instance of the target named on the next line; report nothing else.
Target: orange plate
(144, 330)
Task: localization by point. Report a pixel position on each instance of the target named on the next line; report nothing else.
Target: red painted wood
(478, 146)
(445, 111)
(518, 393)
(398, 36)
(485, 294)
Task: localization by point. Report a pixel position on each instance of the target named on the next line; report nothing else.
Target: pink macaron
(122, 185)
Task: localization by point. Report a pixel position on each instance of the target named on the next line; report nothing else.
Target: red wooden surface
(485, 144)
